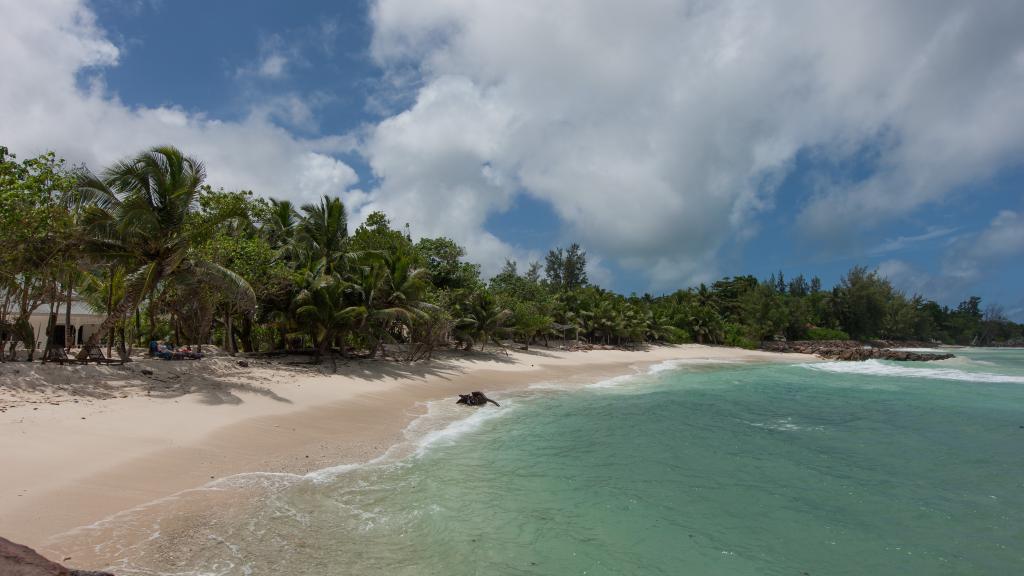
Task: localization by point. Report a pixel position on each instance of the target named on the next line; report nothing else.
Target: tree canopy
(163, 255)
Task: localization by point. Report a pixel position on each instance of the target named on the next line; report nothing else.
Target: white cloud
(902, 242)
(908, 278)
(276, 57)
(1001, 242)
(968, 258)
(658, 129)
(273, 66)
(47, 43)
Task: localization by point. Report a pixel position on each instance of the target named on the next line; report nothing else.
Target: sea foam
(878, 368)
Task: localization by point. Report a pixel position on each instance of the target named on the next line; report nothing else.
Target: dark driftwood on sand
(475, 399)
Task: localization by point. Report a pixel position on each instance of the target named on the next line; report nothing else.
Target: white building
(84, 322)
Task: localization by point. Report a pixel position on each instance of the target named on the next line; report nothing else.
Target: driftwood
(475, 399)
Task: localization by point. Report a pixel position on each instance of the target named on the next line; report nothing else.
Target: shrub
(826, 334)
(734, 335)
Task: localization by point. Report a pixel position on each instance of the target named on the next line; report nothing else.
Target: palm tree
(387, 294)
(322, 232)
(482, 318)
(321, 309)
(281, 223)
(706, 324)
(141, 213)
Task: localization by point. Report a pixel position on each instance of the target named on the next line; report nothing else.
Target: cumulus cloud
(49, 44)
(658, 130)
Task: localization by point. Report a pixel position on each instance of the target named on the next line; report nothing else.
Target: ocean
(829, 468)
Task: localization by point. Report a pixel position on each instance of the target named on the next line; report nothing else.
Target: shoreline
(77, 461)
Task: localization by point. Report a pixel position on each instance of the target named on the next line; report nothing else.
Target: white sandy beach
(82, 443)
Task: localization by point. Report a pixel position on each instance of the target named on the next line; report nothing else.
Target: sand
(81, 443)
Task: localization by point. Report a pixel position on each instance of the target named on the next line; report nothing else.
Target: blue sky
(678, 142)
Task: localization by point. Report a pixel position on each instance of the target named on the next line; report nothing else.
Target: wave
(784, 425)
(673, 364)
(663, 366)
(877, 368)
(437, 426)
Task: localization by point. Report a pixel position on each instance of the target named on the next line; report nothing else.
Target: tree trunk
(110, 304)
(51, 327)
(123, 346)
(151, 309)
(122, 309)
(69, 336)
(247, 340)
(228, 338)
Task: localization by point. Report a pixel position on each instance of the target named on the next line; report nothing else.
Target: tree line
(161, 254)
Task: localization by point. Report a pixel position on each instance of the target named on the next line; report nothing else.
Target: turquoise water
(838, 468)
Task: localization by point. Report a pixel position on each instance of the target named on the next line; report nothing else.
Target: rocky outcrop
(19, 560)
(475, 399)
(856, 351)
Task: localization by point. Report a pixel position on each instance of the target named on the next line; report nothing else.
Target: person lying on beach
(191, 354)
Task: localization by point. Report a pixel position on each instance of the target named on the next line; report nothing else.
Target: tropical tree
(482, 319)
(322, 234)
(321, 309)
(140, 212)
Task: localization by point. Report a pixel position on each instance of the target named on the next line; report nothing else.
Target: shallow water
(835, 468)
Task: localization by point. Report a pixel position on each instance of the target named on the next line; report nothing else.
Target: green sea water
(694, 468)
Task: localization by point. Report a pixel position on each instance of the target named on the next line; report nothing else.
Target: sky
(677, 141)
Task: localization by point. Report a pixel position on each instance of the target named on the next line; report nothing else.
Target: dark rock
(852, 350)
(19, 560)
(475, 399)
(243, 363)
(147, 372)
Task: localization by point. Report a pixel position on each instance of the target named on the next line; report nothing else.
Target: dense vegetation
(164, 256)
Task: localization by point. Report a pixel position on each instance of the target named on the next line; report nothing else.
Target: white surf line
(877, 368)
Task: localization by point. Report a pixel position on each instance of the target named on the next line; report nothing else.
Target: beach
(82, 443)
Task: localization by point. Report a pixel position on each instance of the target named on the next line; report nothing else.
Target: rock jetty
(856, 351)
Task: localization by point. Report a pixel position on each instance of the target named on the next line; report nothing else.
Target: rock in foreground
(19, 560)
(475, 399)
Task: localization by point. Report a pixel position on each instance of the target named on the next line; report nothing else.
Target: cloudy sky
(677, 141)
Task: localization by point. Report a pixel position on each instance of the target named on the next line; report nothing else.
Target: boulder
(19, 560)
(475, 399)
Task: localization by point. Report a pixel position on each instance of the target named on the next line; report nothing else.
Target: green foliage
(442, 258)
(826, 334)
(735, 335)
(566, 269)
(149, 242)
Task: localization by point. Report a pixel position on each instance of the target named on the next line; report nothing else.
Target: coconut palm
(322, 233)
(141, 213)
(386, 294)
(321, 309)
(281, 223)
(482, 318)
